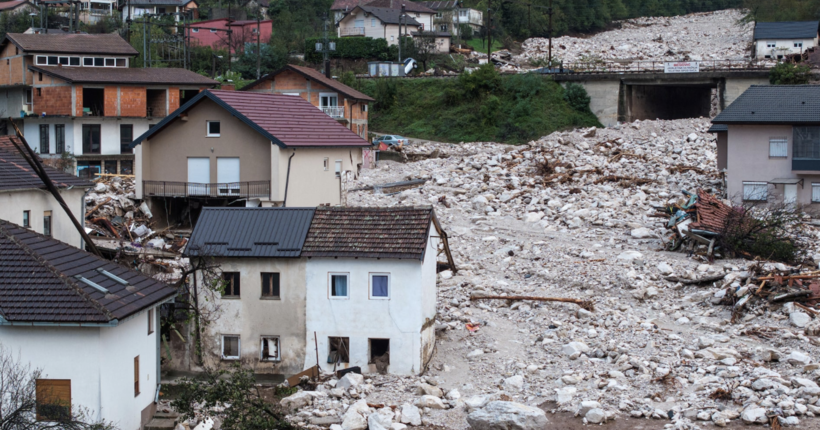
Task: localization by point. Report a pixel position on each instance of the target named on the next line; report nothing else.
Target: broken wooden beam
(703, 280)
(584, 304)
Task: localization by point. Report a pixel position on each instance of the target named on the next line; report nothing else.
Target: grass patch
(481, 46)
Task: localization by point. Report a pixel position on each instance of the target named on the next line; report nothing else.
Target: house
(358, 283)
(76, 94)
(25, 201)
(378, 23)
(92, 11)
(778, 39)
(137, 8)
(90, 325)
(450, 17)
(17, 6)
(247, 148)
(773, 145)
(337, 100)
(206, 33)
(432, 41)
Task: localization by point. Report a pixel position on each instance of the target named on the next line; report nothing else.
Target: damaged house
(359, 283)
(240, 148)
(772, 149)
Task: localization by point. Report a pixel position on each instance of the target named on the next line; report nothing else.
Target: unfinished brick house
(339, 101)
(76, 94)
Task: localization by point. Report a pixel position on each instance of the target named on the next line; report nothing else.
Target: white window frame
(213, 31)
(778, 147)
(815, 192)
(238, 347)
(292, 94)
(208, 129)
(771, 44)
(370, 286)
(278, 348)
(330, 276)
(44, 60)
(750, 196)
(151, 321)
(113, 62)
(372, 22)
(798, 45)
(327, 163)
(338, 168)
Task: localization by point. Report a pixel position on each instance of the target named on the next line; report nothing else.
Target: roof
(345, 4)
(16, 174)
(774, 104)
(397, 232)
(409, 6)
(92, 44)
(126, 75)
(286, 121)
(250, 232)
(8, 5)
(431, 33)
(318, 77)
(440, 5)
(712, 213)
(161, 2)
(38, 282)
(716, 128)
(786, 30)
(390, 16)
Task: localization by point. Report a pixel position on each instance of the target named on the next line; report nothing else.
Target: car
(392, 140)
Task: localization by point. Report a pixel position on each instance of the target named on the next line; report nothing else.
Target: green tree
(577, 97)
(789, 74)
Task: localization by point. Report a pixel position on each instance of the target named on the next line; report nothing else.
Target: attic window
(112, 276)
(213, 129)
(92, 284)
(41, 60)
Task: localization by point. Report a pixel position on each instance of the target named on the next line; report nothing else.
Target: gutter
(287, 181)
(5, 322)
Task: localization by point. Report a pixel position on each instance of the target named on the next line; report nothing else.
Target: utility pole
(326, 47)
(144, 42)
(258, 42)
(489, 33)
(401, 17)
(549, 33)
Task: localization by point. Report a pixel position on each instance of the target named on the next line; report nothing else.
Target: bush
(790, 74)
(350, 48)
(761, 231)
(480, 82)
(577, 97)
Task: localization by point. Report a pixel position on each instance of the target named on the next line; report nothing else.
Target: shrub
(762, 231)
(482, 81)
(790, 74)
(350, 48)
(577, 97)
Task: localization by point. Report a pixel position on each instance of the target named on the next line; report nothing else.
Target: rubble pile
(694, 37)
(572, 215)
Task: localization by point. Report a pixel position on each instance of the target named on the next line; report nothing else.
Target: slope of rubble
(696, 37)
(570, 216)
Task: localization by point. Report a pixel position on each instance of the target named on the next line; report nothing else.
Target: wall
(12, 102)
(252, 317)
(310, 184)
(603, 100)
(50, 95)
(13, 66)
(13, 203)
(737, 86)
(109, 132)
(748, 160)
(782, 47)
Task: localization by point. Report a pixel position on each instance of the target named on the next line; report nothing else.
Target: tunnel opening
(649, 102)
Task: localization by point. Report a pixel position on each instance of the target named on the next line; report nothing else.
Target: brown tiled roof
(409, 6)
(346, 4)
(318, 77)
(390, 16)
(441, 5)
(92, 44)
(398, 232)
(16, 174)
(126, 75)
(38, 283)
(711, 212)
(8, 5)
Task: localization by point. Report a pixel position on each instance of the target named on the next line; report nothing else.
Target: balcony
(351, 31)
(806, 165)
(335, 112)
(216, 190)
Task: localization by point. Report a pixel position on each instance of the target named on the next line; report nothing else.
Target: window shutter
(778, 147)
(53, 399)
(815, 193)
(136, 376)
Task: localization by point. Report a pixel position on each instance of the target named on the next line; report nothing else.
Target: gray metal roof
(786, 30)
(250, 232)
(716, 128)
(774, 104)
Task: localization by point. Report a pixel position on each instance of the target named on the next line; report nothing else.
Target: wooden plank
(313, 372)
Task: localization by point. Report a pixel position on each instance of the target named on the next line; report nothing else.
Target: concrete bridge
(629, 95)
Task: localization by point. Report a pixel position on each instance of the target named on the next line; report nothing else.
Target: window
(126, 137)
(121, 62)
(47, 223)
(53, 398)
(39, 92)
(359, 23)
(150, 321)
(338, 350)
(392, 38)
(443, 27)
(110, 167)
(39, 78)
(52, 61)
(439, 15)
(213, 31)
(230, 347)
(270, 285)
(798, 45)
(88, 61)
(29, 96)
(99, 62)
(43, 138)
(213, 129)
(364, 108)
(195, 30)
(462, 12)
(41, 60)
(338, 168)
(372, 22)
(379, 353)
(771, 44)
(91, 138)
(110, 62)
(74, 61)
(126, 167)
(231, 280)
(270, 348)
(815, 192)
(418, 14)
(778, 147)
(63, 61)
(338, 285)
(136, 376)
(806, 143)
(59, 138)
(755, 191)
(27, 219)
(253, 30)
(326, 163)
(88, 169)
(379, 285)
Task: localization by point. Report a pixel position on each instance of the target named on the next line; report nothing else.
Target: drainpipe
(287, 181)
(82, 242)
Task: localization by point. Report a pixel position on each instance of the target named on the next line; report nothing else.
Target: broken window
(338, 285)
(270, 285)
(755, 191)
(231, 282)
(339, 350)
(379, 286)
(93, 101)
(270, 348)
(53, 397)
(136, 376)
(379, 354)
(230, 347)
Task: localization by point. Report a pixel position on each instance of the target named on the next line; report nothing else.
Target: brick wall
(52, 100)
(173, 99)
(265, 85)
(110, 101)
(156, 102)
(11, 69)
(78, 98)
(132, 101)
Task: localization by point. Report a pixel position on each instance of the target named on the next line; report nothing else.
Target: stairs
(163, 421)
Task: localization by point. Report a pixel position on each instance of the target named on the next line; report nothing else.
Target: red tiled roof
(712, 213)
(346, 4)
(126, 75)
(7, 5)
(318, 77)
(68, 43)
(16, 174)
(409, 6)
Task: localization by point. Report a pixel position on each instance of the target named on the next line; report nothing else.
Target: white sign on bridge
(681, 67)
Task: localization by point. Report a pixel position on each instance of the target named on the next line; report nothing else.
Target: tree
(789, 74)
(19, 402)
(426, 47)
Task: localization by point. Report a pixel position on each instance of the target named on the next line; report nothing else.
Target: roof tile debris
(111, 44)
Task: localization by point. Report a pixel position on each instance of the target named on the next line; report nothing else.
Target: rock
(354, 422)
(574, 350)
(350, 380)
(475, 353)
(500, 415)
(514, 383)
(100, 188)
(586, 406)
(431, 402)
(754, 415)
(475, 402)
(665, 269)
(453, 394)
(298, 400)
(630, 255)
(797, 358)
(564, 395)
(641, 233)
(651, 292)
(583, 313)
(770, 355)
(595, 416)
(397, 426)
(705, 342)
(427, 389)
(410, 415)
(377, 421)
(799, 319)
(534, 217)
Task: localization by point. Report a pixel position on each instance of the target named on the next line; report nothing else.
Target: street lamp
(32, 15)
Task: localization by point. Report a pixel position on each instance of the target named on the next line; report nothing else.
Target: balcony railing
(217, 190)
(337, 112)
(351, 31)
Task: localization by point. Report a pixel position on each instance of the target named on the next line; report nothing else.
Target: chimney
(227, 87)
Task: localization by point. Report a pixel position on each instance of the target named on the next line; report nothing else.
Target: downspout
(287, 181)
(82, 242)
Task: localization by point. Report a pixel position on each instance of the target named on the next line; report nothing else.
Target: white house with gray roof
(774, 40)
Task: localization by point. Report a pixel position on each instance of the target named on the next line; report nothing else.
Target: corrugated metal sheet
(250, 232)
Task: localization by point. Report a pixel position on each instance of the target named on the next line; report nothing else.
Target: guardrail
(336, 112)
(659, 66)
(193, 189)
(351, 31)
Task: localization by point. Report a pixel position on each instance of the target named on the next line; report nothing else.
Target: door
(790, 194)
(227, 175)
(199, 176)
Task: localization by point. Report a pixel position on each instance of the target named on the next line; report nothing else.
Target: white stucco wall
(782, 47)
(37, 201)
(109, 132)
(98, 361)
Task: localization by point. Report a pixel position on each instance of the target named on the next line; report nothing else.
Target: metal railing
(351, 31)
(193, 189)
(334, 111)
(626, 66)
